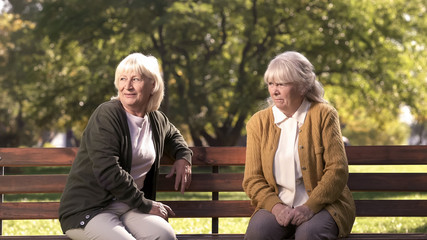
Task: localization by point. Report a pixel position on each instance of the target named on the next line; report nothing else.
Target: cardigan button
(304, 168)
(301, 147)
(87, 216)
(82, 223)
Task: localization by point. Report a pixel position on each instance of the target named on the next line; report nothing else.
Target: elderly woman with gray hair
(296, 167)
(110, 191)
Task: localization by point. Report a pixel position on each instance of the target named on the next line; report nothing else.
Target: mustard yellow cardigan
(323, 161)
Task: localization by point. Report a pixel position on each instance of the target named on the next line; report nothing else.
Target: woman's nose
(129, 84)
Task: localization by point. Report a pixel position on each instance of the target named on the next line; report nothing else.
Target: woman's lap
(119, 222)
(263, 225)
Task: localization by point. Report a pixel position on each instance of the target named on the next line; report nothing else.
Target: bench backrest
(216, 180)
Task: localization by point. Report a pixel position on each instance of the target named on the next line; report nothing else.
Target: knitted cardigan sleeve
(258, 182)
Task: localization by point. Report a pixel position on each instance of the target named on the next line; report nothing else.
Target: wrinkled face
(285, 96)
(134, 92)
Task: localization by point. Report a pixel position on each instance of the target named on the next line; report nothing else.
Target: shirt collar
(299, 115)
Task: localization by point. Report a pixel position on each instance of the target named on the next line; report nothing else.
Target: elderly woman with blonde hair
(110, 191)
(296, 167)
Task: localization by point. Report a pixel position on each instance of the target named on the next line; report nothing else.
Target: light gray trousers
(119, 222)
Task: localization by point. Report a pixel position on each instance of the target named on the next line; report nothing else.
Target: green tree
(370, 56)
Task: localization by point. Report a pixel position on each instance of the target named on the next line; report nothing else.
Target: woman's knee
(321, 226)
(263, 225)
(147, 226)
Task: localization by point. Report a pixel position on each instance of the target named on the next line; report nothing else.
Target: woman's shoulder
(322, 111)
(261, 116)
(109, 105)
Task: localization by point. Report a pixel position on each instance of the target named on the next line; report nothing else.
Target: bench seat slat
(353, 236)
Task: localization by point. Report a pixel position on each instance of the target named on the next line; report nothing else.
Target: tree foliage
(59, 59)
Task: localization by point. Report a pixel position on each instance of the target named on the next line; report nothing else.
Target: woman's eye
(135, 79)
(122, 79)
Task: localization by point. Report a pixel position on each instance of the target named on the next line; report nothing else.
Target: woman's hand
(182, 168)
(161, 210)
(301, 214)
(283, 213)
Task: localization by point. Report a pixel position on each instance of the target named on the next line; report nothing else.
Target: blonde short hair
(146, 66)
(293, 67)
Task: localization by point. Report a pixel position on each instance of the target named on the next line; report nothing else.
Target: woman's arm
(106, 145)
(261, 193)
(335, 172)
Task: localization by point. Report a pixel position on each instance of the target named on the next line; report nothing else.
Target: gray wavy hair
(293, 67)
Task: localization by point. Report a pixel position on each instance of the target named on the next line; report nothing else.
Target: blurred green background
(57, 63)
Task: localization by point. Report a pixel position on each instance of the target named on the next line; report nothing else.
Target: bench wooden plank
(354, 236)
(33, 157)
(223, 182)
(13, 184)
(206, 182)
(221, 156)
(386, 155)
(220, 182)
(222, 208)
(28, 210)
(391, 208)
(388, 182)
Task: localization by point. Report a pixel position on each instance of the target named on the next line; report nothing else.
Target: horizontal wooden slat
(200, 209)
(218, 156)
(22, 157)
(207, 182)
(384, 182)
(36, 237)
(49, 210)
(353, 236)
(226, 208)
(215, 156)
(221, 182)
(29, 210)
(389, 155)
(52, 183)
(386, 236)
(391, 208)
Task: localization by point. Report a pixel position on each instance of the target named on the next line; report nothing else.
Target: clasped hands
(286, 215)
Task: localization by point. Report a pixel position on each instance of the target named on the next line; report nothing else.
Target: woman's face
(134, 92)
(285, 96)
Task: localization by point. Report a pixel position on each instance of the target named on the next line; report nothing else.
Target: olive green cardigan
(100, 173)
(323, 161)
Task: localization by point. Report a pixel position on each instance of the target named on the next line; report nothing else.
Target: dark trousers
(263, 226)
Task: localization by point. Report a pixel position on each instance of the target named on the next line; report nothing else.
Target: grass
(238, 225)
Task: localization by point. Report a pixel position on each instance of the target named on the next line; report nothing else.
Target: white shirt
(286, 166)
(143, 152)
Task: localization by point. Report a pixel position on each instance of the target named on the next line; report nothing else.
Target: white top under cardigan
(286, 168)
(143, 152)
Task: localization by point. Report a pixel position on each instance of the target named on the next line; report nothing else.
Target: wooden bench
(215, 179)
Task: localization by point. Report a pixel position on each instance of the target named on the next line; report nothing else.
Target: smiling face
(285, 96)
(134, 92)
